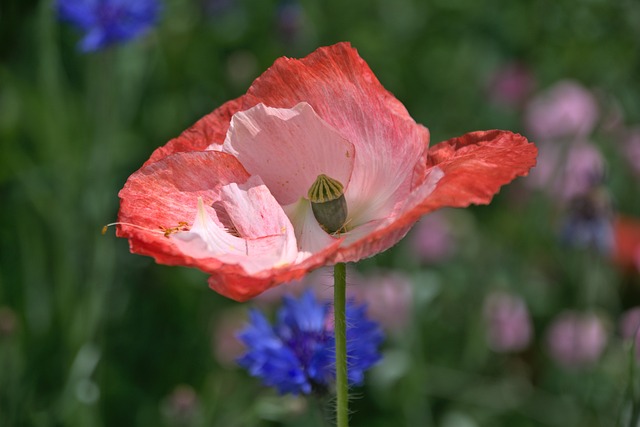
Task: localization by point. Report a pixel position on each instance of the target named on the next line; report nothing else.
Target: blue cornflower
(108, 21)
(297, 354)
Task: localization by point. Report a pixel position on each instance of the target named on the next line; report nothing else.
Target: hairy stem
(342, 387)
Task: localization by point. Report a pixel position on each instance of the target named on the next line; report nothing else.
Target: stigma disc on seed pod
(328, 203)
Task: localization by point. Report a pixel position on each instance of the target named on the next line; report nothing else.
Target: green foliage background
(95, 336)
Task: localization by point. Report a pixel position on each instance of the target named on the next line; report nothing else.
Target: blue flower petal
(108, 21)
(297, 354)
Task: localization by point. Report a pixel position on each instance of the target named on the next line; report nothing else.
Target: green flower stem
(339, 307)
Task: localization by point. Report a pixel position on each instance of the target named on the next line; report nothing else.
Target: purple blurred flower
(290, 20)
(630, 327)
(630, 323)
(182, 406)
(632, 149)
(565, 110)
(568, 175)
(432, 238)
(225, 344)
(388, 297)
(576, 339)
(217, 8)
(106, 22)
(583, 171)
(511, 85)
(508, 323)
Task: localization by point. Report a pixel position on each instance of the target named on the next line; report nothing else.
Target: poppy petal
(266, 235)
(473, 167)
(161, 198)
(310, 236)
(343, 91)
(288, 149)
(476, 165)
(210, 129)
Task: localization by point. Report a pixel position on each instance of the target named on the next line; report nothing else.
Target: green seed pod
(328, 203)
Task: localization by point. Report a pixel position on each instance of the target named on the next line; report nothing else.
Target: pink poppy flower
(230, 195)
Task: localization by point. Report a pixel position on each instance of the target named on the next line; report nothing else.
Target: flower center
(328, 203)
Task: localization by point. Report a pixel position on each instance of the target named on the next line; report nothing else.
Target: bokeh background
(516, 314)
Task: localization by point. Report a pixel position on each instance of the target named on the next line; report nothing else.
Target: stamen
(166, 231)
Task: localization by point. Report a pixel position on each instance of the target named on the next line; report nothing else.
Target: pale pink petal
(288, 149)
(266, 235)
(310, 236)
(162, 195)
(381, 234)
(343, 90)
(253, 209)
(207, 240)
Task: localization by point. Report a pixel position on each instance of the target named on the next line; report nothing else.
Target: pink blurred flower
(565, 110)
(432, 238)
(182, 406)
(508, 323)
(225, 345)
(568, 175)
(630, 328)
(511, 85)
(584, 170)
(630, 323)
(388, 296)
(576, 339)
(632, 149)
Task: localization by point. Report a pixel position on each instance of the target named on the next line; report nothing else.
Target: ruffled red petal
(475, 166)
(163, 195)
(239, 286)
(210, 129)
